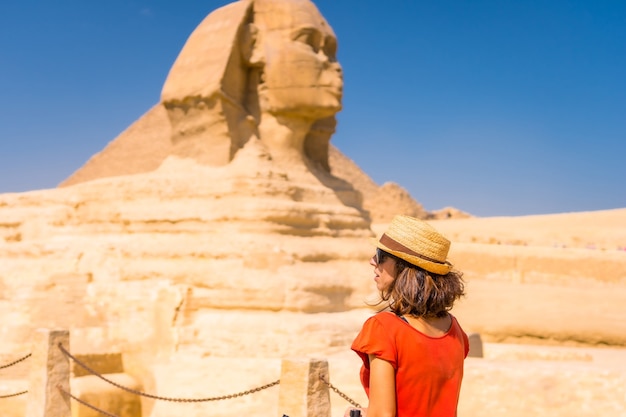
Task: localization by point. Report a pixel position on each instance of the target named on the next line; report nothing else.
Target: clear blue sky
(496, 107)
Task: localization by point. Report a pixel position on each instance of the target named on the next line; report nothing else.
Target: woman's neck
(431, 326)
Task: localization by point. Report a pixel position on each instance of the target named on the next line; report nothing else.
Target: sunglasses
(380, 256)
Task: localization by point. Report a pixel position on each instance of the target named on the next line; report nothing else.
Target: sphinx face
(301, 76)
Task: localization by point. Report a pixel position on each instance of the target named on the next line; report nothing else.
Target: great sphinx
(218, 199)
(262, 71)
(216, 211)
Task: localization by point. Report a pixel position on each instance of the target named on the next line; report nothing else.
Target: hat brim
(435, 268)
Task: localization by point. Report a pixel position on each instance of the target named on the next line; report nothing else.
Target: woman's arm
(382, 398)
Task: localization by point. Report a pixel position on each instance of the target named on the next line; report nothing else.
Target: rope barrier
(157, 397)
(184, 400)
(341, 394)
(16, 362)
(13, 395)
(86, 404)
(9, 365)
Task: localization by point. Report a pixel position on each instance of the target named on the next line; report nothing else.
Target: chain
(341, 394)
(187, 400)
(13, 395)
(85, 403)
(156, 397)
(16, 362)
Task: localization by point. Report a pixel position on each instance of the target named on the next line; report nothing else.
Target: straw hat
(416, 242)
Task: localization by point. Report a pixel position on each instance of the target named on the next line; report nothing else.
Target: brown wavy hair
(417, 292)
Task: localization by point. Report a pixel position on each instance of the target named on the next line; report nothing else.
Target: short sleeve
(374, 339)
(466, 343)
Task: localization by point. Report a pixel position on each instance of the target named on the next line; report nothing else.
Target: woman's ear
(250, 45)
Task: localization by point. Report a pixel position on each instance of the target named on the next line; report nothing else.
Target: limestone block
(103, 363)
(106, 397)
(302, 392)
(510, 311)
(475, 346)
(49, 371)
(538, 264)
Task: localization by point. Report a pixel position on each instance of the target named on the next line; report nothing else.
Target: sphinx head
(250, 64)
(297, 49)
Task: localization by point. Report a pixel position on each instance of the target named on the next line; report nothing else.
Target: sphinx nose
(334, 66)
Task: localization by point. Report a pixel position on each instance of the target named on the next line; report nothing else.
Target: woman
(413, 350)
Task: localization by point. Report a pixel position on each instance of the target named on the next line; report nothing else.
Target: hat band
(397, 246)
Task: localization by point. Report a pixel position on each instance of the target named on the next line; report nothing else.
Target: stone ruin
(216, 211)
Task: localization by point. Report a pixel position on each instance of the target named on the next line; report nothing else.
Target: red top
(428, 369)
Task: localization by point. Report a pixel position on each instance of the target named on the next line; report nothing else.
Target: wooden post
(50, 369)
(302, 392)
